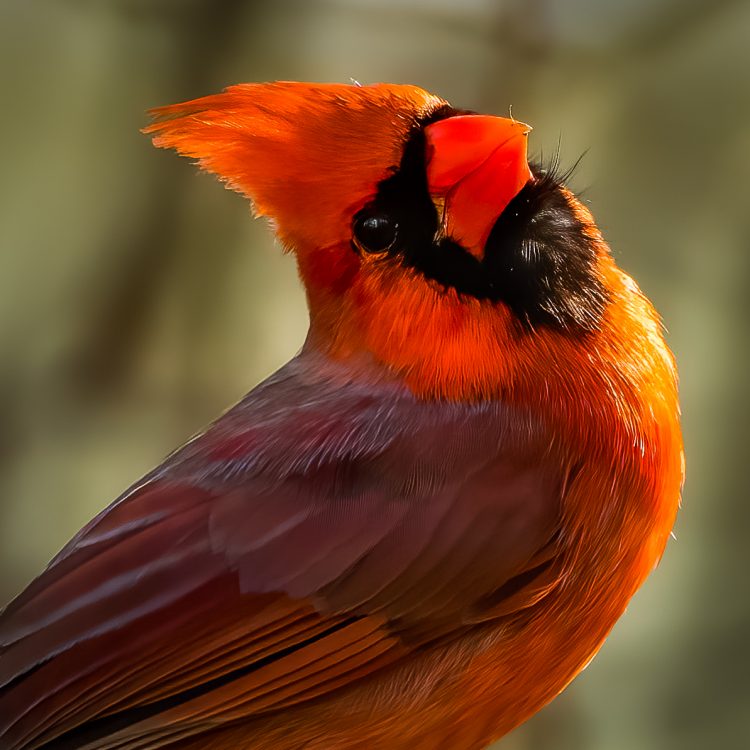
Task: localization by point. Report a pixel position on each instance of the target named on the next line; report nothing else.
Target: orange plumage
(424, 526)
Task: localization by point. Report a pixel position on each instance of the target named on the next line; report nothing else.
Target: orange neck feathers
(310, 156)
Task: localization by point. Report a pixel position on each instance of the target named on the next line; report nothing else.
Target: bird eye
(374, 233)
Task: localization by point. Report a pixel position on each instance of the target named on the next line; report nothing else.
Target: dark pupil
(375, 233)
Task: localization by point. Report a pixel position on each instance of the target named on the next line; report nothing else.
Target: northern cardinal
(419, 530)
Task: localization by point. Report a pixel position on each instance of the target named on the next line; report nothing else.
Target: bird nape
(421, 528)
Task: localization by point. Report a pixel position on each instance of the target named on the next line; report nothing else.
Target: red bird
(419, 530)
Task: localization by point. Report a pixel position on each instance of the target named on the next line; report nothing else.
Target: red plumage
(414, 534)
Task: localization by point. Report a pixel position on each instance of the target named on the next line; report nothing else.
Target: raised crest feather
(278, 144)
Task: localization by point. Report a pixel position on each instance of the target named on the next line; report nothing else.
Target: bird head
(424, 238)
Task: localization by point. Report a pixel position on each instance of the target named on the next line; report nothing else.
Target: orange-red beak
(476, 165)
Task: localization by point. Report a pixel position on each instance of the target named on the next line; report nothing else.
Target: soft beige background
(137, 299)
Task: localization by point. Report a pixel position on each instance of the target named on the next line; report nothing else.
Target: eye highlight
(374, 232)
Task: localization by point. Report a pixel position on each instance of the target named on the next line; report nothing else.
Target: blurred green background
(138, 299)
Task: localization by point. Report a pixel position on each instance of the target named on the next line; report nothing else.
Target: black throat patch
(538, 259)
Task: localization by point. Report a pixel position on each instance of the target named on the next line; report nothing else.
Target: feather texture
(315, 534)
(413, 535)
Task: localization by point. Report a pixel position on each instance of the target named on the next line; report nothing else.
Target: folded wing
(315, 534)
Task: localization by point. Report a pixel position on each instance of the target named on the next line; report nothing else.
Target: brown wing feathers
(278, 569)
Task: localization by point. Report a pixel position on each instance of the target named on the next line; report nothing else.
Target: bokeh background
(138, 299)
